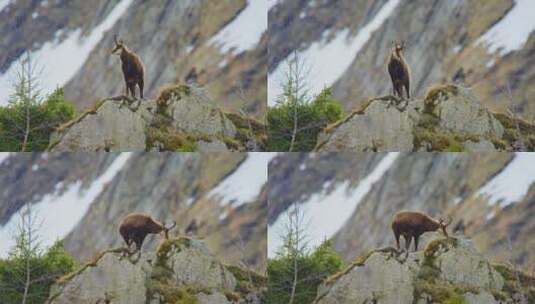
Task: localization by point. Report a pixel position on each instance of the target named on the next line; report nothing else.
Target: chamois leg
(141, 84)
(416, 237)
(408, 239)
(407, 89)
(132, 88)
(396, 234)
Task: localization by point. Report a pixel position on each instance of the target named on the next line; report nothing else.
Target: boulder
(448, 270)
(182, 118)
(448, 118)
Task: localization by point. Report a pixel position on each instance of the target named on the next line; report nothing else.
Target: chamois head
(166, 229)
(119, 45)
(399, 47)
(443, 223)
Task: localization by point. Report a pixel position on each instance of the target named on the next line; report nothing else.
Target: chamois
(399, 71)
(413, 224)
(135, 226)
(133, 69)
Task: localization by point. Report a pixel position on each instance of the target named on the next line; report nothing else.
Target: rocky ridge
(182, 118)
(180, 270)
(448, 270)
(448, 118)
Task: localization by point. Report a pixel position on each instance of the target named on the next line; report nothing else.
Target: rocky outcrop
(449, 118)
(448, 270)
(181, 270)
(182, 118)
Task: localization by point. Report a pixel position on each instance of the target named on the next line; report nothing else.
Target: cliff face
(435, 183)
(180, 270)
(173, 38)
(170, 186)
(448, 270)
(449, 118)
(182, 118)
(444, 44)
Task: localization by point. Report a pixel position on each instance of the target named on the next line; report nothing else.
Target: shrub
(309, 118)
(45, 269)
(44, 117)
(313, 268)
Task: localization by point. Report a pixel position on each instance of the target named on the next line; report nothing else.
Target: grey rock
(388, 125)
(118, 278)
(479, 146)
(214, 298)
(113, 127)
(462, 113)
(464, 265)
(193, 265)
(381, 279)
(382, 127)
(197, 114)
(211, 146)
(483, 297)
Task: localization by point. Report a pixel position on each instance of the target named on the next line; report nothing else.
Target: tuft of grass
(516, 281)
(438, 244)
(166, 246)
(442, 292)
(439, 141)
(436, 92)
(247, 280)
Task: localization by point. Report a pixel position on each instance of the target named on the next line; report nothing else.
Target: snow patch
(244, 32)
(244, 184)
(490, 63)
(272, 3)
(73, 203)
(512, 32)
(328, 60)
(62, 60)
(3, 4)
(510, 185)
(326, 212)
(3, 156)
(457, 48)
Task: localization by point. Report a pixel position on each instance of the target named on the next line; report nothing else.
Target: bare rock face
(181, 270)
(449, 118)
(381, 126)
(182, 118)
(112, 126)
(380, 277)
(448, 270)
